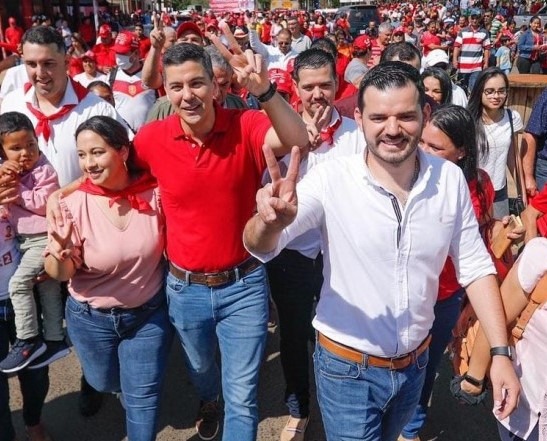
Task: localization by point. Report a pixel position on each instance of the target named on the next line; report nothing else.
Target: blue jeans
(469, 79)
(367, 403)
(507, 435)
(541, 173)
(234, 316)
(295, 282)
(447, 312)
(125, 350)
(34, 383)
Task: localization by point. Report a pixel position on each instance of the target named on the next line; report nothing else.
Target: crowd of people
(231, 170)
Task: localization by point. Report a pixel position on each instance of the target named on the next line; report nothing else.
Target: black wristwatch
(268, 95)
(506, 351)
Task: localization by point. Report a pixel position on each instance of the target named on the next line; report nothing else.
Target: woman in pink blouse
(111, 251)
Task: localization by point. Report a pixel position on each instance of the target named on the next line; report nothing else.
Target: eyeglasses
(500, 92)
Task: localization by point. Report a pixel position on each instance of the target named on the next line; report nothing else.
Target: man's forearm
(529, 147)
(486, 300)
(290, 129)
(151, 76)
(259, 237)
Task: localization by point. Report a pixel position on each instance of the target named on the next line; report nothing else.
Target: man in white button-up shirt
(388, 221)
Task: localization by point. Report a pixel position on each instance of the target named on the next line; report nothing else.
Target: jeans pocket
(256, 277)
(423, 359)
(76, 307)
(174, 285)
(335, 367)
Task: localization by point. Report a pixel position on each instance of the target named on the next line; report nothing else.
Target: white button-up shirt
(275, 59)
(382, 261)
(60, 149)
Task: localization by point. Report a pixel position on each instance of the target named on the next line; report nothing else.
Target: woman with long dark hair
(450, 134)
(495, 132)
(437, 85)
(111, 252)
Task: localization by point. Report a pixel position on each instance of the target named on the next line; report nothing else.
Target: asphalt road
(448, 420)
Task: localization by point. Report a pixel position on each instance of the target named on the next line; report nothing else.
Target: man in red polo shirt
(209, 163)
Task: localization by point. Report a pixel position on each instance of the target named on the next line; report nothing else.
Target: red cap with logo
(126, 42)
(282, 79)
(362, 43)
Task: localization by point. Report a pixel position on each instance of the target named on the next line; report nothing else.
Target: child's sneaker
(22, 353)
(55, 350)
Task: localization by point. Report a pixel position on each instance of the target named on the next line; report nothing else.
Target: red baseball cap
(362, 43)
(282, 79)
(105, 31)
(189, 26)
(126, 42)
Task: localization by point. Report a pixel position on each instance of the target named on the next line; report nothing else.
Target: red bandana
(327, 134)
(43, 128)
(131, 192)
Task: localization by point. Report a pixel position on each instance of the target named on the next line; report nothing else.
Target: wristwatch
(506, 351)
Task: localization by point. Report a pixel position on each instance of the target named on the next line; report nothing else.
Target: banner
(232, 5)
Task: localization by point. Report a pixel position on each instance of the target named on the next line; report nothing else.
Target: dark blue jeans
(295, 282)
(34, 383)
(447, 312)
(507, 435)
(541, 173)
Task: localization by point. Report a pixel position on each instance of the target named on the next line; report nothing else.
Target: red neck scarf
(131, 192)
(327, 134)
(43, 128)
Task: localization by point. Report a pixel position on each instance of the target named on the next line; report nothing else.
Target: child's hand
(10, 167)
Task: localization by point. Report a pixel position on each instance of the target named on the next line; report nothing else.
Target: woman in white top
(496, 143)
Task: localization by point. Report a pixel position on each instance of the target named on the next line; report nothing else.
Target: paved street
(448, 421)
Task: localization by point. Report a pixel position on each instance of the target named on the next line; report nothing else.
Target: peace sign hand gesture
(277, 203)
(318, 123)
(250, 68)
(60, 245)
(157, 36)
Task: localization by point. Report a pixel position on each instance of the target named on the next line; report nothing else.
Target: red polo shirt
(208, 193)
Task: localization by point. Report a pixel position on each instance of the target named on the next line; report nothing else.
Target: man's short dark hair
(389, 75)
(403, 51)
(327, 45)
(44, 35)
(182, 52)
(313, 59)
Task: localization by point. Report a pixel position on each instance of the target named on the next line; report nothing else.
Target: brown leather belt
(351, 354)
(216, 279)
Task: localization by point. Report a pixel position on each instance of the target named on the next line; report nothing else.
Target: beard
(394, 157)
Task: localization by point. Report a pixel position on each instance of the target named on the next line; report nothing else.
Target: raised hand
(60, 244)
(318, 123)
(157, 36)
(277, 203)
(250, 68)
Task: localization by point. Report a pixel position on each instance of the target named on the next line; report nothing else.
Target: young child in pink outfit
(35, 179)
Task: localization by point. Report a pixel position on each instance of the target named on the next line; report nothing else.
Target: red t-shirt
(106, 57)
(427, 39)
(144, 47)
(208, 193)
(14, 35)
(318, 31)
(448, 283)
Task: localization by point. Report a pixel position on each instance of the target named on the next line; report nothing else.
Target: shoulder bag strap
(521, 195)
(537, 298)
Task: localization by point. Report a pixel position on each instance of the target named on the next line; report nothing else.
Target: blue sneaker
(22, 353)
